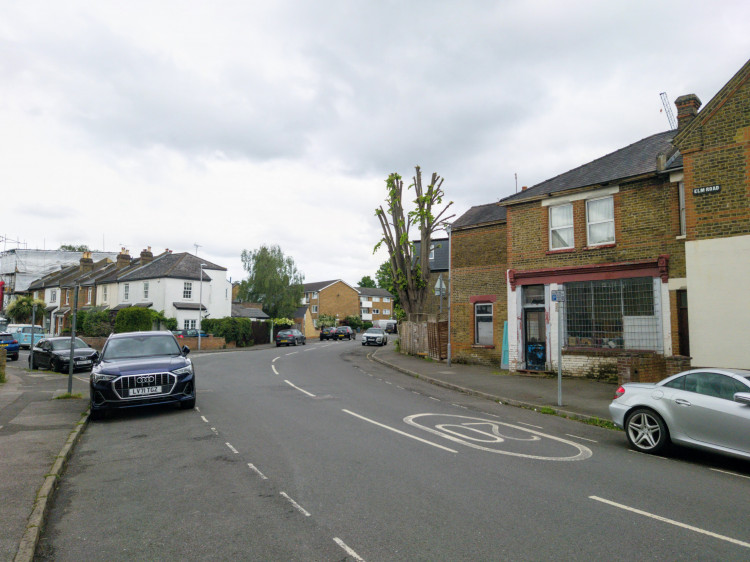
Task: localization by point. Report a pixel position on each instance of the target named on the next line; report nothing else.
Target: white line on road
(730, 473)
(274, 360)
(399, 431)
(581, 438)
(215, 430)
(275, 372)
(292, 353)
(459, 406)
(297, 506)
(235, 451)
(204, 419)
(197, 409)
(387, 382)
(671, 522)
(348, 550)
(300, 389)
(258, 472)
(435, 399)
(536, 426)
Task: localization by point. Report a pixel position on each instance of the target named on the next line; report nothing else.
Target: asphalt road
(317, 453)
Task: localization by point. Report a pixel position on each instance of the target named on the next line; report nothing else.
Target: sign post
(558, 297)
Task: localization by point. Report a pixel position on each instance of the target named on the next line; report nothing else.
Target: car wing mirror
(185, 350)
(742, 398)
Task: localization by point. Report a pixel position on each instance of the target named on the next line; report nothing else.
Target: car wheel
(295, 342)
(278, 345)
(646, 431)
(14, 357)
(57, 366)
(95, 415)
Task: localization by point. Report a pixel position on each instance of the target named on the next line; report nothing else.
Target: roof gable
(480, 215)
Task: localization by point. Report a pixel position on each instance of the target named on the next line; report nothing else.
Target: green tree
(95, 323)
(273, 280)
(326, 320)
(366, 281)
(21, 309)
(134, 319)
(410, 272)
(74, 248)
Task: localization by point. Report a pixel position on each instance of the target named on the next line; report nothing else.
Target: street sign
(440, 286)
(558, 295)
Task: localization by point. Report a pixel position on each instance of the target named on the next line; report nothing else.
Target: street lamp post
(200, 305)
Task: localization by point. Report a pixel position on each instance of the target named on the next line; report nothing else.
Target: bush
(237, 330)
(94, 323)
(134, 319)
(355, 322)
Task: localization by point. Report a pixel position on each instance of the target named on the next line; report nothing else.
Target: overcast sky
(235, 124)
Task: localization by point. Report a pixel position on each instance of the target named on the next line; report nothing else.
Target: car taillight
(14, 341)
(619, 392)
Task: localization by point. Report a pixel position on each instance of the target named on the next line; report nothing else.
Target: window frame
(589, 223)
(187, 290)
(126, 291)
(552, 228)
(314, 308)
(478, 315)
(145, 289)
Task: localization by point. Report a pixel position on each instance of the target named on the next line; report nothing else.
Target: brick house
(336, 298)
(375, 304)
(608, 234)
(478, 290)
(715, 147)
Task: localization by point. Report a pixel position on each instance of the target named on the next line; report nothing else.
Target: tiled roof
(373, 292)
(480, 214)
(246, 312)
(634, 160)
(317, 286)
(176, 266)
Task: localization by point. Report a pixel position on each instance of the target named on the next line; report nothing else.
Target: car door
(706, 411)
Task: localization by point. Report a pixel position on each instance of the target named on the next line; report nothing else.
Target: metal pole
(560, 306)
(200, 304)
(450, 256)
(72, 340)
(31, 345)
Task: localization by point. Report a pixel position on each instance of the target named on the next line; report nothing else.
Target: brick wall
(339, 299)
(479, 258)
(718, 153)
(646, 226)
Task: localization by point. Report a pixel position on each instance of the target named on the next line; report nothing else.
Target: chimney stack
(86, 263)
(146, 256)
(687, 109)
(123, 259)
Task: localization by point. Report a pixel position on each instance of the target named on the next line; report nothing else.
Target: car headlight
(186, 370)
(101, 377)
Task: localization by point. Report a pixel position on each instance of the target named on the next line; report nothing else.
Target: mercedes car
(703, 408)
(142, 369)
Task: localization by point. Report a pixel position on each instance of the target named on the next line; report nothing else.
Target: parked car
(54, 353)
(10, 344)
(22, 333)
(391, 328)
(191, 333)
(328, 333)
(290, 337)
(142, 369)
(345, 332)
(375, 336)
(702, 408)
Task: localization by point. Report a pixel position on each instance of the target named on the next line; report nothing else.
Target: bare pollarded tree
(410, 272)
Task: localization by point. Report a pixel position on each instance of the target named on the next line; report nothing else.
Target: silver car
(702, 408)
(375, 336)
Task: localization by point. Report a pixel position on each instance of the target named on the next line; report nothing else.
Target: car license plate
(87, 362)
(145, 390)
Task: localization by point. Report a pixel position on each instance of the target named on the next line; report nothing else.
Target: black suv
(142, 369)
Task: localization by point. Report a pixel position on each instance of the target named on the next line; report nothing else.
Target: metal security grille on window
(616, 314)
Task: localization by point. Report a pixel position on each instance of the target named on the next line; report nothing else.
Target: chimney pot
(524, 188)
(687, 109)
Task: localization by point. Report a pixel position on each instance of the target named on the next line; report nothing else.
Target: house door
(535, 343)
(683, 332)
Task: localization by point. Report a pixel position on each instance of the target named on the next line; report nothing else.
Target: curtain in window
(601, 221)
(561, 226)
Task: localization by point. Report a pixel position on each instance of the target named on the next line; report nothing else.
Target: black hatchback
(142, 369)
(54, 353)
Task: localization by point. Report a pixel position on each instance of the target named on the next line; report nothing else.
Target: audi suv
(141, 369)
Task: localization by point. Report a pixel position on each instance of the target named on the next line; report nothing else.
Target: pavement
(38, 433)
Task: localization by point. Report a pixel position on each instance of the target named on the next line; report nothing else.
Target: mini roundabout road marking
(490, 435)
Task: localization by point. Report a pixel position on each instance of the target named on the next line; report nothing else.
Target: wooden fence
(425, 335)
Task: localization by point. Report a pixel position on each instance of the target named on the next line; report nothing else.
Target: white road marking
(297, 506)
(235, 451)
(348, 550)
(730, 473)
(204, 419)
(215, 430)
(387, 382)
(292, 353)
(197, 409)
(81, 379)
(671, 522)
(459, 406)
(536, 426)
(300, 389)
(400, 387)
(480, 437)
(274, 361)
(581, 438)
(399, 431)
(258, 472)
(275, 372)
(435, 399)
